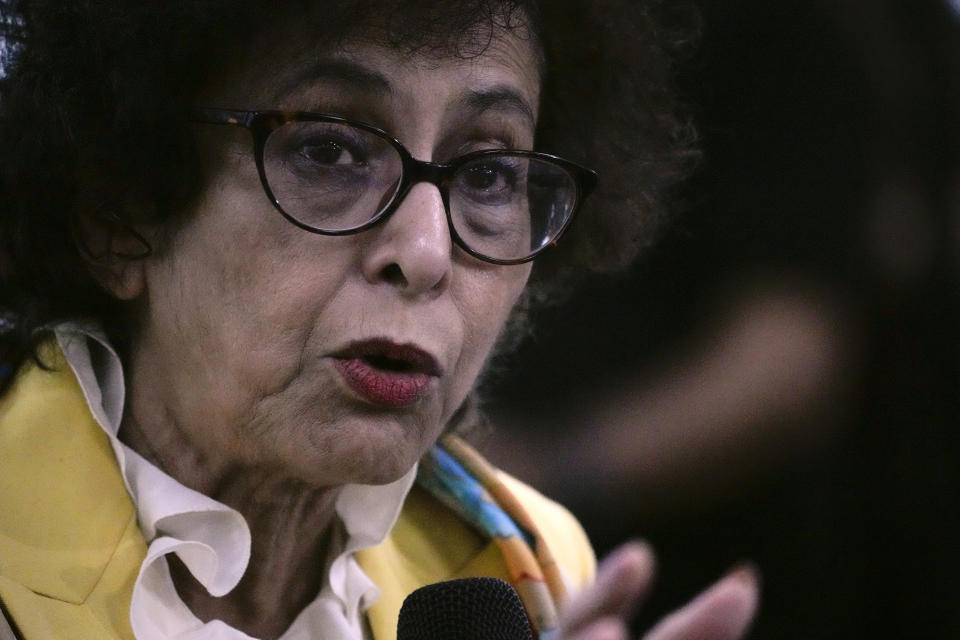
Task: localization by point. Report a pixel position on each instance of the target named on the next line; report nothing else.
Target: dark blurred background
(777, 380)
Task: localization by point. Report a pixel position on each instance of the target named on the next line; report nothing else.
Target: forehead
(291, 55)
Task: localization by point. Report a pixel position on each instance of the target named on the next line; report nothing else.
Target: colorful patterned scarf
(460, 478)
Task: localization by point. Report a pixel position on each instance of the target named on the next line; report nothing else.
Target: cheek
(490, 311)
(485, 314)
(245, 289)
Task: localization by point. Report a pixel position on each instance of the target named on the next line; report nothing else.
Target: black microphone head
(466, 609)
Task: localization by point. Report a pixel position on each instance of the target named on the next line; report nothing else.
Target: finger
(722, 612)
(604, 629)
(622, 579)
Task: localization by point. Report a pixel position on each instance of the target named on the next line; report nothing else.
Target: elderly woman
(254, 259)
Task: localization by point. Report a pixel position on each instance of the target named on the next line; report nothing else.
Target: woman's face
(334, 359)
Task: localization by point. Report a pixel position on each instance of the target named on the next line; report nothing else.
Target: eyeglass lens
(336, 177)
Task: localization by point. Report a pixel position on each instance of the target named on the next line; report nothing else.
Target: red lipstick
(387, 374)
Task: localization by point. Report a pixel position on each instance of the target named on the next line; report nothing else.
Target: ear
(114, 250)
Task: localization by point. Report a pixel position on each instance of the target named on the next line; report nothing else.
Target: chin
(369, 452)
(376, 467)
(384, 476)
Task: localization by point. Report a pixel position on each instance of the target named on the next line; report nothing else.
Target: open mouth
(390, 364)
(387, 374)
(388, 356)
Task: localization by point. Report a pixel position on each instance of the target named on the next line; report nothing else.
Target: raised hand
(602, 612)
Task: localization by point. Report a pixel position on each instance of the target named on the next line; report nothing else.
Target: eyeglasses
(334, 176)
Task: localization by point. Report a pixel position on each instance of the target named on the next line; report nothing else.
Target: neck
(286, 568)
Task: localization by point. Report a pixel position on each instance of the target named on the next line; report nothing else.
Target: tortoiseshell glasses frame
(337, 176)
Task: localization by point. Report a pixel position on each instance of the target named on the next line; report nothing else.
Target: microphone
(465, 609)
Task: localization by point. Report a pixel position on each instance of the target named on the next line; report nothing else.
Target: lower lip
(385, 388)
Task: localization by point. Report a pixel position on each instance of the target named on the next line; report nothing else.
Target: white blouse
(212, 539)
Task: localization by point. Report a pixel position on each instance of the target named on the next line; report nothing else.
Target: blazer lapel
(67, 521)
(428, 544)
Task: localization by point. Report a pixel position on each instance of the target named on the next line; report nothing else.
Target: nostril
(393, 274)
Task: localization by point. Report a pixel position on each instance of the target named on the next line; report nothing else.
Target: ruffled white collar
(212, 539)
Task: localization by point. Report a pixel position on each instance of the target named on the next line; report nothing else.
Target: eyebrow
(501, 98)
(339, 70)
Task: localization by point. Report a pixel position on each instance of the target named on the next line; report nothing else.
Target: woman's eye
(495, 177)
(481, 177)
(329, 152)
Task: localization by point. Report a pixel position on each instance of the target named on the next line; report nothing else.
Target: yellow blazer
(71, 549)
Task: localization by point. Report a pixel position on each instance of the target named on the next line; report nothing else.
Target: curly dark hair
(92, 113)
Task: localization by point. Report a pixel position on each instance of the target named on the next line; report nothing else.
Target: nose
(412, 250)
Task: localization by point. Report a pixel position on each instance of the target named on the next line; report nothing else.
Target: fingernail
(633, 547)
(745, 572)
(642, 546)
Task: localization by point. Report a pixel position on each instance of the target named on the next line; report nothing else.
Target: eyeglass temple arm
(206, 115)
